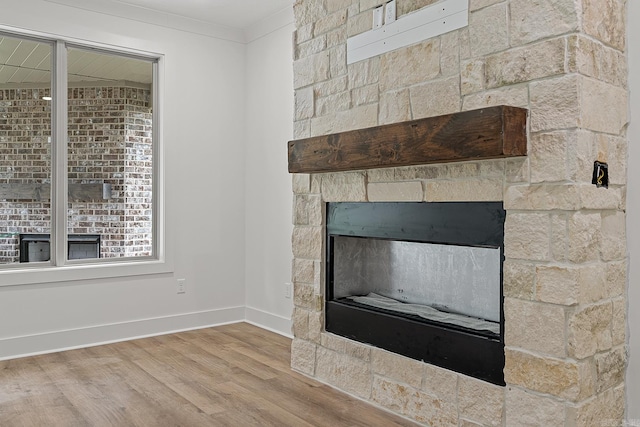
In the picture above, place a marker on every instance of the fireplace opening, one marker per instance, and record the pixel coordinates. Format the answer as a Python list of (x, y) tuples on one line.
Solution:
[(420, 279)]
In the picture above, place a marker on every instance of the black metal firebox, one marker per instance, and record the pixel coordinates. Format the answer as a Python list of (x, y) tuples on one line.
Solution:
[(445, 259)]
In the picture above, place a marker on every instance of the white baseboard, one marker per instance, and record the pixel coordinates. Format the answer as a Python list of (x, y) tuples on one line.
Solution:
[(31, 345), (271, 322)]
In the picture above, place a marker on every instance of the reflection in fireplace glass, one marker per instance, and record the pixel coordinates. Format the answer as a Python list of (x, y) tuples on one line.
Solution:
[(451, 284)]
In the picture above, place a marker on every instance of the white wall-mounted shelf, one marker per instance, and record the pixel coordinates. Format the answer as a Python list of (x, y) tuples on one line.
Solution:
[(428, 22)]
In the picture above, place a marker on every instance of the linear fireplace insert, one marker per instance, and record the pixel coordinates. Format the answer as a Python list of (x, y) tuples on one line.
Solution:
[(420, 279)]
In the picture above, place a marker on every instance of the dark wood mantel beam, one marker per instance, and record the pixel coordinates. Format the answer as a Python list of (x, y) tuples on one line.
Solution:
[(488, 133)]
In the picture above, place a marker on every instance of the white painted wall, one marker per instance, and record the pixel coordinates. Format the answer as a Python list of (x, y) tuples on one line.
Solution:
[(269, 112), (204, 118), (633, 215)]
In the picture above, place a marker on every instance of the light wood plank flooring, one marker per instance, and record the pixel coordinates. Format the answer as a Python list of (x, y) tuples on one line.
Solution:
[(233, 375)]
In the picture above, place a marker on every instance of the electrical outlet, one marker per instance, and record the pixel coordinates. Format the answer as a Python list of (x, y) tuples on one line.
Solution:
[(390, 12), (378, 17), (287, 290), (181, 286)]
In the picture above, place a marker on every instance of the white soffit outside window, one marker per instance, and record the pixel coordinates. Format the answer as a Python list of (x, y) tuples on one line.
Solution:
[(428, 22)]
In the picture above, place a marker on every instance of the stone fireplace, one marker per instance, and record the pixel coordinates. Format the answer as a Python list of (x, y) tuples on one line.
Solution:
[(564, 243)]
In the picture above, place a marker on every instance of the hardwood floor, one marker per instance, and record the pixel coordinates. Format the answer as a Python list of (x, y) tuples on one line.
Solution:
[(233, 375)]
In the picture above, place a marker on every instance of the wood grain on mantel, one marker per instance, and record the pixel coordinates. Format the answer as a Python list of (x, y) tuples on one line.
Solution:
[(488, 133)]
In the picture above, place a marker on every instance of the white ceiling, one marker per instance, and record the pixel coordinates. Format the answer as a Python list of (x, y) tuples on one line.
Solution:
[(238, 14), (28, 62)]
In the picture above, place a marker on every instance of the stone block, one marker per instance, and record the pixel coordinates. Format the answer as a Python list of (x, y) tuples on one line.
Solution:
[(604, 106), (542, 197), (334, 342), (364, 73), (311, 47), (303, 356), (492, 168), (330, 22), (560, 241), (441, 383), (560, 378), (518, 279), (610, 368), (617, 149), (605, 409), (365, 95), (450, 54), (594, 198), (347, 373), (549, 154), (479, 4), (338, 61), (358, 350), (471, 76), (380, 175), (593, 59), (307, 242), (309, 70), (302, 129), (557, 284), (355, 118), (409, 191), (524, 64), (584, 237), (435, 98), (516, 96), (527, 236), (303, 33), (394, 107), (300, 210), (613, 236), (592, 283), (330, 87), (304, 296), (410, 173), (408, 6), (306, 13), (304, 103), (431, 411), (391, 395), (589, 330), (517, 171), (336, 37), (336, 5), (531, 21), (582, 153), (483, 190), (359, 23), (488, 30), (408, 66), (619, 323), (344, 187), (333, 103), (316, 326), (301, 183), (606, 21), (526, 409), (555, 103), (302, 270), (300, 323), (616, 278), (397, 368), (480, 401), (535, 326)]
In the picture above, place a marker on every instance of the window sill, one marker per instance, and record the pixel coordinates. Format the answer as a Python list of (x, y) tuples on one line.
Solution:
[(41, 273)]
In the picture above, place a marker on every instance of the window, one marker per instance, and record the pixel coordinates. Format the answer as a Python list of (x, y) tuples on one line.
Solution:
[(79, 155)]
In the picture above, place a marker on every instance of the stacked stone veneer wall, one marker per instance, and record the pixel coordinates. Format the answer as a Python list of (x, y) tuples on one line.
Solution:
[(565, 248), (109, 142)]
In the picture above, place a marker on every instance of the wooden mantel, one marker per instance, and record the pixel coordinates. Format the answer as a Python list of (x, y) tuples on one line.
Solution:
[(488, 133)]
